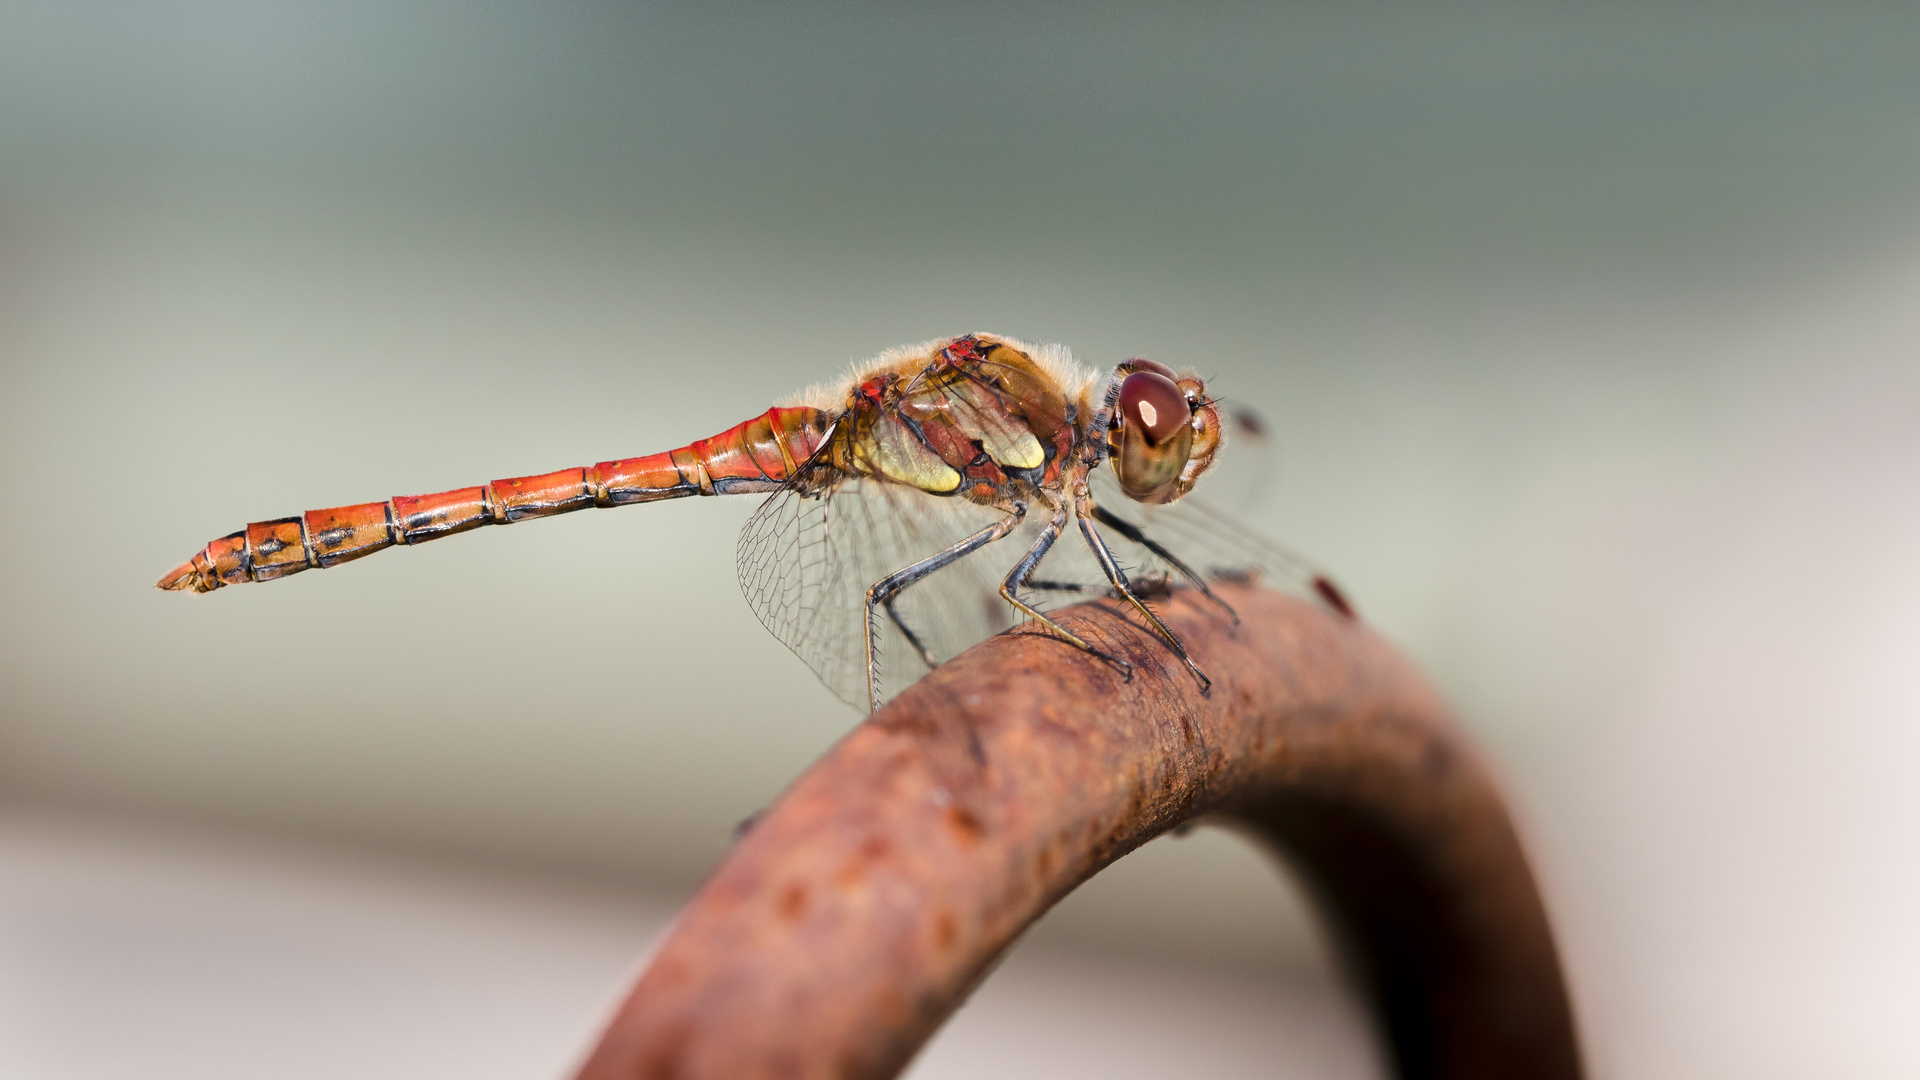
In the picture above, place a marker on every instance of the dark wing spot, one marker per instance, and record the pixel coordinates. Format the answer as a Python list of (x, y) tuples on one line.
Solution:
[(1335, 599)]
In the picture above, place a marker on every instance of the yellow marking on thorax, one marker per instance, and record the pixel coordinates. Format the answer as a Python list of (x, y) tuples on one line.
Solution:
[(900, 456)]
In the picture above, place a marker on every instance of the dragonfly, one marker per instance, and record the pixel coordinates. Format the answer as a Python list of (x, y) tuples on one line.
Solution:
[(889, 492)]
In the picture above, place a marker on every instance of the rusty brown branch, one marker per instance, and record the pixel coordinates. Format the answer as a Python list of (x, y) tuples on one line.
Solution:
[(865, 905)]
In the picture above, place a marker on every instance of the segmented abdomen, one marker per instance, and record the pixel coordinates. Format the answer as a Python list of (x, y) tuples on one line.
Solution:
[(757, 455)]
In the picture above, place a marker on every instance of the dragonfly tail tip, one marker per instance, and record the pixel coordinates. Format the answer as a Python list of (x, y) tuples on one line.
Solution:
[(186, 578)]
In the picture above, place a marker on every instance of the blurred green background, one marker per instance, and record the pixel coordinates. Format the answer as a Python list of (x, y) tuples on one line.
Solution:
[(1588, 335)]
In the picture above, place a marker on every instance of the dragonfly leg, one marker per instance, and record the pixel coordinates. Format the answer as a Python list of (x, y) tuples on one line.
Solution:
[(906, 631), (882, 594), (1132, 532), (1010, 590), (1069, 586), (1119, 579), (1154, 585)]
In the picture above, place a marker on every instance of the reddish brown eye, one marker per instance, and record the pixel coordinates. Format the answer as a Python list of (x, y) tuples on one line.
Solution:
[(1154, 403), (1141, 363)]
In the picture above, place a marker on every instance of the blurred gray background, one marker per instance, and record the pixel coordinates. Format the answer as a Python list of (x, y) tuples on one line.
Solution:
[(1590, 338)]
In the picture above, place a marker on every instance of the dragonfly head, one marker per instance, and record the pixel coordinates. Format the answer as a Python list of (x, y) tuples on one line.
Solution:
[(1163, 431)]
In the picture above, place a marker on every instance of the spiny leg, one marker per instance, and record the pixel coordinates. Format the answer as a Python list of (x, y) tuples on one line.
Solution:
[(883, 591), (906, 631), (1069, 586), (1010, 590), (1119, 579), (1132, 532), (1155, 585)]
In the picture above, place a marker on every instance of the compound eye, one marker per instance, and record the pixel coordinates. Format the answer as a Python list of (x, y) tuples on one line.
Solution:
[(1155, 405), (1141, 363)]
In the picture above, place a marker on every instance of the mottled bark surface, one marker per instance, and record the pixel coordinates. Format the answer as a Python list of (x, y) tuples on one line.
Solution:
[(869, 900)]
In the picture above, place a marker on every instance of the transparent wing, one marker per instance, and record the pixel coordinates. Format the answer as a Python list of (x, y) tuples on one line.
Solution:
[(807, 559), (1243, 472), (1211, 543)]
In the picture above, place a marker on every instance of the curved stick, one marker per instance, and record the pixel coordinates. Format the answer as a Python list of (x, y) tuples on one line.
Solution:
[(874, 895)]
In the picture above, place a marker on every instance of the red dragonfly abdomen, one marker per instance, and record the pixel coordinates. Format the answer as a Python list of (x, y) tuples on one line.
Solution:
[(757, 455)]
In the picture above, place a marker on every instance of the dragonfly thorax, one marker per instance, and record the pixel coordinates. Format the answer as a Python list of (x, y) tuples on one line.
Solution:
[(975, 418)]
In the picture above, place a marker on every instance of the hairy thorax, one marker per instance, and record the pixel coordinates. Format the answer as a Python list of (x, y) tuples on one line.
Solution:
[(978, 419)]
